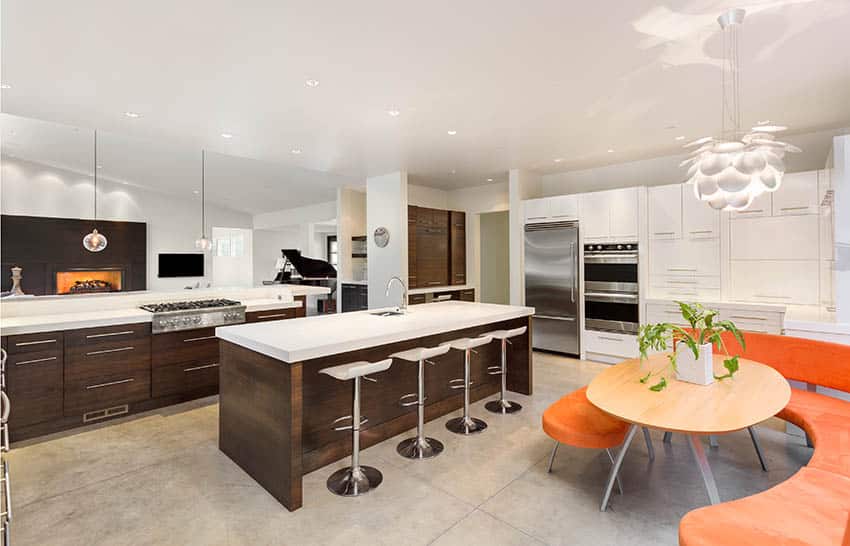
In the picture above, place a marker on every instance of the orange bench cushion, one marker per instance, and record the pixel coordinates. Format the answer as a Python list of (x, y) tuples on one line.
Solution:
[(574, 421), (809, 508)]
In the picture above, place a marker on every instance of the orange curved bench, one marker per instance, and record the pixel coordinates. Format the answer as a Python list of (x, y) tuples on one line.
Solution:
[(812, 506)]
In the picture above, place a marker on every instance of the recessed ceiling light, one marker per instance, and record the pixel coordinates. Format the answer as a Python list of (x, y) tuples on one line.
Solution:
[(489, 180), (132, 114), (196, 192), (452, 132), (453, 171), (226, 135), (312, 83), (680, 137), (610, 150), (296, 151), (5, 86), (763, 122), (558, 159), (394, 113), (100, 166)]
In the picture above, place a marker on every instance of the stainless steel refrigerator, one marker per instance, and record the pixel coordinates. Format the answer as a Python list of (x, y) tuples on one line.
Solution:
[(551, 285)]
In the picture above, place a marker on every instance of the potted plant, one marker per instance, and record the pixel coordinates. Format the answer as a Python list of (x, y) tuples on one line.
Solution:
[(691, 359)]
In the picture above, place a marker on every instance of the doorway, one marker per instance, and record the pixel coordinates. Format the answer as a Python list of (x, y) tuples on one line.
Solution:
[(232, 257), (494, 270)]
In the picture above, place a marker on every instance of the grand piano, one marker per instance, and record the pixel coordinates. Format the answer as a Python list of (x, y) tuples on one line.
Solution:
[(297, 269)]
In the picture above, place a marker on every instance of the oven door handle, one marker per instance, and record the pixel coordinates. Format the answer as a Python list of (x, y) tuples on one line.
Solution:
[(612, 298), (549, 317), (611, 258)]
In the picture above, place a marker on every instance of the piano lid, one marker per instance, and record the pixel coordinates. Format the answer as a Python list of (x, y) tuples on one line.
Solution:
[(308, 267)]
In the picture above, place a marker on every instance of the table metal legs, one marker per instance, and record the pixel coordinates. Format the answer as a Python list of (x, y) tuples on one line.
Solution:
[(618, 462), (707, 476), (649, 447), (754, 437), (552, 456)]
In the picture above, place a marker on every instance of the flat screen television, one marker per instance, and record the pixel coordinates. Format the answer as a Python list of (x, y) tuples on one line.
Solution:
[(189, 264)]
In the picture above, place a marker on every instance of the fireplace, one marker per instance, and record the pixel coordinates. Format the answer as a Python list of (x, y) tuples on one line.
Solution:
[(89, 280)]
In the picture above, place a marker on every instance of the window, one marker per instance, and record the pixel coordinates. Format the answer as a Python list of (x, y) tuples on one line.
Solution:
[(332, 251), (230, 244)]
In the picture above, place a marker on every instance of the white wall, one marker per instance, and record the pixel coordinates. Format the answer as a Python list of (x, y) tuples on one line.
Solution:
[(173, 223), (386, 206), (522, 185), (266, 250), (320, 212), (351, 222), (494, 285), (423, 196)]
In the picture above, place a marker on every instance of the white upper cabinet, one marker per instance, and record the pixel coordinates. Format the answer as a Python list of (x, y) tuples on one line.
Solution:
[(551, 209), (536, 210), (699, 221), (798, 194), (775, 238), (563, 207), (624, 214), (594, 213), (665, 211)]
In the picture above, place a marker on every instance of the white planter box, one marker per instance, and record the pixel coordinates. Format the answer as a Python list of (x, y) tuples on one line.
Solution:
[(692, 370)]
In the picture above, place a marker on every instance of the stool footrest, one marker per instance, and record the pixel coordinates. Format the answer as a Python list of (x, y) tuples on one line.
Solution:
[(363, 421), (453, 384), (494, 370), (413, 402)]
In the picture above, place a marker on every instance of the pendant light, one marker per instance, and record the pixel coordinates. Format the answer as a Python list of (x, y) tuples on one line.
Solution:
[(95, 241), (730, 171), (203, 243)]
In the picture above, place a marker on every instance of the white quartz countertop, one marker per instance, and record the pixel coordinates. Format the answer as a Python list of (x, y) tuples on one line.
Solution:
[(431, 289), (814, 319), (33, 324), (319, 336)]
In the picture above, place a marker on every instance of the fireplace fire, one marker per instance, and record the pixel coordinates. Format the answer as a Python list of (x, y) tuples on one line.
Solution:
[(89, 281)]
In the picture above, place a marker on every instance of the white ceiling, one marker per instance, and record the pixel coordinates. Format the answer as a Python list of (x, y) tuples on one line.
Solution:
[(238, 183), (521, 83)]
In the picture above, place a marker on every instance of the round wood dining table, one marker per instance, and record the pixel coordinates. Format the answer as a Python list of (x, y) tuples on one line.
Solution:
[(755, 393)]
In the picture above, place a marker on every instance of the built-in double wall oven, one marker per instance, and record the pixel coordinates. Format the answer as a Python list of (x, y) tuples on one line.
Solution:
[(611, 296)]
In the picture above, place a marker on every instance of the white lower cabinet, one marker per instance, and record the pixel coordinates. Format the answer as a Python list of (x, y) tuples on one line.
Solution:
[(784, 282), (748, 318), (609, 347)]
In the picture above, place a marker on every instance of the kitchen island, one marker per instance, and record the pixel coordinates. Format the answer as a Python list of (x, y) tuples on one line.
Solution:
[(277, 413)]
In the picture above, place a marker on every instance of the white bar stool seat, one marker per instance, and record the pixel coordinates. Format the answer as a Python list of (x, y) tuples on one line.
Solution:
[(502, 405), (466, 425), (419, 447), (356, 479)]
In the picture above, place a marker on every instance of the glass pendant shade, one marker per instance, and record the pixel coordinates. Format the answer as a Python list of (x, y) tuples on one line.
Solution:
[(95, 241), (203, 243), (730, 171)]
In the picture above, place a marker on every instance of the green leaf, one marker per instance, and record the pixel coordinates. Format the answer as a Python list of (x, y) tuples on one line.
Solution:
[(645, 378), (731, 365), (658, 387)]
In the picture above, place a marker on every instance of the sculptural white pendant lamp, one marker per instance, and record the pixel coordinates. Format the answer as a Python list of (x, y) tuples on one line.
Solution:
[(730, 171), (203, 243), (95, 241)]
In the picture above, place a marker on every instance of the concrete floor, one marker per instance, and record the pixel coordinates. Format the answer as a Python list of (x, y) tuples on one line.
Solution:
[(160, 479)]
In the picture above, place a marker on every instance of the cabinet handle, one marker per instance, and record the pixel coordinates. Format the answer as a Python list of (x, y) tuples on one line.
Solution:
[(191, 339), (25, 343), (434, 283), (609, 338), (794, 208), (535, 217), (664, 233), (772, 297), (460, 274), (104, 351), (266, 316), (195, 368), (111, 383), (673, 281), (747, 318), (93, 336), (681, 269), (702, 231), (751, 211), (35, 361)]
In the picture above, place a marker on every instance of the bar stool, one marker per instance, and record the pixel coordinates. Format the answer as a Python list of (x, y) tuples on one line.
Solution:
[(419, 447), (501, 405), (356, 479), (466, 424)]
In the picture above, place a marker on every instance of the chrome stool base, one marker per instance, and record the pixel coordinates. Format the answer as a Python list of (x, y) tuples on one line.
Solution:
[(345, 482), (414, 448), (466, 425), (502, 406)]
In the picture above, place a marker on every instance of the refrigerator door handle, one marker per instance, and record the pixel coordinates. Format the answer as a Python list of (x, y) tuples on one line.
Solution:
[(575, 272), (568, 319)]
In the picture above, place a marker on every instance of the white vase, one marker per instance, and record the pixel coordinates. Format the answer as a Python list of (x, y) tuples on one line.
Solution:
[(695, 370)]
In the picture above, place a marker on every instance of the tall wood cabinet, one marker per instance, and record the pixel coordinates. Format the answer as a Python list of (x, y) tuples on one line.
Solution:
[(436, 247)]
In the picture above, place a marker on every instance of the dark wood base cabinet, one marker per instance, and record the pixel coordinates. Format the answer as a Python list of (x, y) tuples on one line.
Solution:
[(276, 419), (62, 380)]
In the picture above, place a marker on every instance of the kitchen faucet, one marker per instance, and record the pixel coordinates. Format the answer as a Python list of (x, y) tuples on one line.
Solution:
[(403, 307)]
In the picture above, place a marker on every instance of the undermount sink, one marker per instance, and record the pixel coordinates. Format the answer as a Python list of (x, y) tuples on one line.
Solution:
[(387, 313)]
